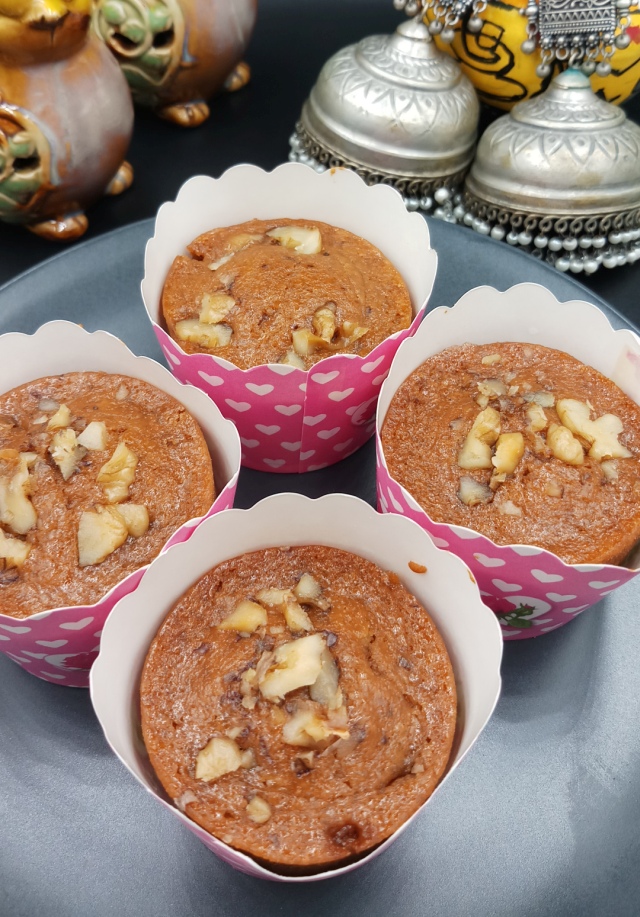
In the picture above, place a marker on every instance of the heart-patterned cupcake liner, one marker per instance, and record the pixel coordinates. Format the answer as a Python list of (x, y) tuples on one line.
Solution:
[(289, 419), (60, 644)]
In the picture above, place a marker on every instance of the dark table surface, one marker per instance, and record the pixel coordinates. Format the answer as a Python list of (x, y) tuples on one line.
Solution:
[(291, 42)]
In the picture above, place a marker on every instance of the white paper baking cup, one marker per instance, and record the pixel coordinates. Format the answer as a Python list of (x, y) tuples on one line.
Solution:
[(531, 590), (60, 644), (290, 419), (447, 591)]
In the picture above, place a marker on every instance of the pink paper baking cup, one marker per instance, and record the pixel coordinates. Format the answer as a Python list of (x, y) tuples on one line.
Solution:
[(531, 590), (447, 591), (292, 420), (60, 644)]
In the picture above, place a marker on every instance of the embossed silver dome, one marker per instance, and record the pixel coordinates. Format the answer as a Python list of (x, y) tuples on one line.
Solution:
[(395, 109), (560, 174)]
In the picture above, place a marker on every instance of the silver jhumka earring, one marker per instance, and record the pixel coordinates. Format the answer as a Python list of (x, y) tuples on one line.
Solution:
[(582, 32), (559, 176), (445, 15), (397, 111)]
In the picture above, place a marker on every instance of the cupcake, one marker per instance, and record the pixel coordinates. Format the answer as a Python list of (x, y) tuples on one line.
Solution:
[(523, 438), (358, 269), (299, 701), (104, 461)]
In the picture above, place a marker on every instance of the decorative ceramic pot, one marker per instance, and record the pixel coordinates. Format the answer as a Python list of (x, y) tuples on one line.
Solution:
[(65, 117), (177, 53), (503, 75)]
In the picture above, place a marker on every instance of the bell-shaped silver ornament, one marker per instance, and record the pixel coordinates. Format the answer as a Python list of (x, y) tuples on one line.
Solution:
[(396, 110), (560, 177)]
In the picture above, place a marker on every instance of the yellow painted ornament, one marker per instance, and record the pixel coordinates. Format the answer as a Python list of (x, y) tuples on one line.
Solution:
[(503, 75)]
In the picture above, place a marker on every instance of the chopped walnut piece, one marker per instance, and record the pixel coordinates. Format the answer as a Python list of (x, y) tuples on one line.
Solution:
[(476, 449), (205, 335), (325, 688), (100, 533), (324, 322), (609, 471), (117, 475), (66, 452), (508, 508), (564, 445), (246, 618), (308, 729), (537, 418), (221, 756), (509, 451), (299, 238), (491, 359), (259, 810), (13, 551), (473, 492), (215, 307), (62, 418), (553, 489), (601, 434), (94, 437), (16, 509), (294, 665)]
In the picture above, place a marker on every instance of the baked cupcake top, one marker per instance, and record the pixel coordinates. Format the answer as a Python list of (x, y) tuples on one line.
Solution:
[(283, 291), (522, 443), (299, 704), (96, 472)]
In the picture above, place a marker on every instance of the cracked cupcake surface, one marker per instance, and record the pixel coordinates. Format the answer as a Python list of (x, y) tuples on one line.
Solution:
[(299, 704), (283, 291)]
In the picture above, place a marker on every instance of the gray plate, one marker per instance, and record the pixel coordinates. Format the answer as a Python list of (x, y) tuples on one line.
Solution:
[(541, 819)]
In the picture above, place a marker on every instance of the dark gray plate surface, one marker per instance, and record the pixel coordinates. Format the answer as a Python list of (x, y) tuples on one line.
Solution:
[(541, 819)]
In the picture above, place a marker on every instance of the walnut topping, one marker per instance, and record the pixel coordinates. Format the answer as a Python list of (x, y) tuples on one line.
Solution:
[(324, 322), (492, 388), (508, 508), (221, 756), (66, 452), (473, 492), (325, 688), (601, 434), (123, 393), (491, 359), (100, 533), (13, 551), (299, 238), (553, 489), (48, 405), (94, 437), (291, 358), (476, 450), (509, 451), (308, 729), (205, 335), (295, 665), (258, 810), (117, 475), (610, 471), (564, 445), (16, 509), (62, 418), (215, 307), (246, 618), (544, 399), (537, 418)]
